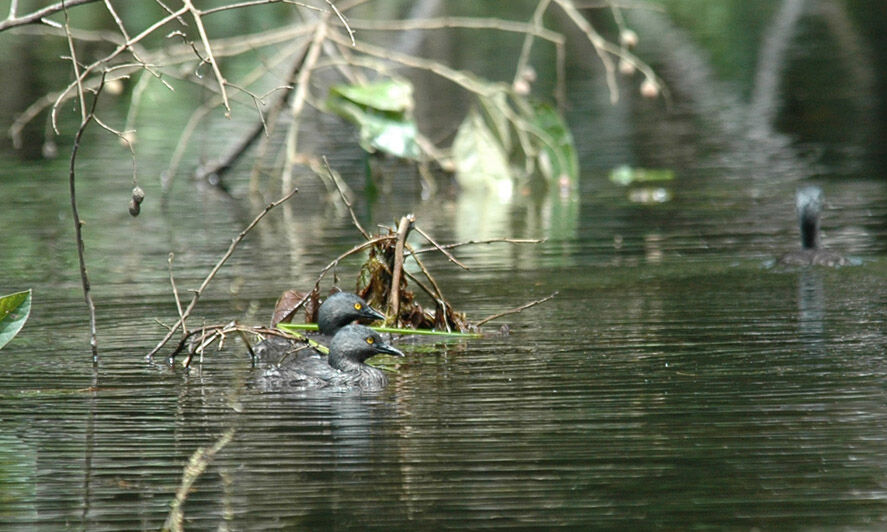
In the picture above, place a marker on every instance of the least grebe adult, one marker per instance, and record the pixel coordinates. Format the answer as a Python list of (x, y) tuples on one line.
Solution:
[(808, 202), (336, 311), (345, 366)]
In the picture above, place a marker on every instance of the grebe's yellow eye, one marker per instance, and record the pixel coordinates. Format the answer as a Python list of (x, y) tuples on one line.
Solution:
[(358, 306), (370, 340)]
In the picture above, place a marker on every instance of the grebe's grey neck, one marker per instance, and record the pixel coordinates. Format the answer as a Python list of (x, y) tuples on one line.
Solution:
[(809, 204)]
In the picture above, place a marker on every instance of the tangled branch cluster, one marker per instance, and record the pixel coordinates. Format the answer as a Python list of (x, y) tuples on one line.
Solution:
[(179, 46), (322, 36)]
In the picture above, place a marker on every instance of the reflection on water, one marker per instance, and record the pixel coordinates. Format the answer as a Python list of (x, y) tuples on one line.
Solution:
[(810, 305), (674, 381)]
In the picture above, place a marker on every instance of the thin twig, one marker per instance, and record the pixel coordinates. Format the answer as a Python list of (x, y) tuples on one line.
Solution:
[(175, 293), (78, 229), (478, 23), (524, 58), (347, 203), (38, 16), (88, 117), (225, 329), (204, 38), (117, 51), (438, 294), (474, 242), (299, 98), (343, 20), (514, 310), (195, 467), (252, 3), (76, 66), (598, 42), (216, 268), (356, 249), (440, 248), (421, 285)]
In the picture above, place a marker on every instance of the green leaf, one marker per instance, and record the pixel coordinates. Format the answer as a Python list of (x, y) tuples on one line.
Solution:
[(481, 160), (497, 115), (557, 158), (14, 312), (382, 111), (626, 175), (390, 95)]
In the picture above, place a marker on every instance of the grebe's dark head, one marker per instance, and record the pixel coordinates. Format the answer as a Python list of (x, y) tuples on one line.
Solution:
[(343, 308), (355, 344), (808, 202)]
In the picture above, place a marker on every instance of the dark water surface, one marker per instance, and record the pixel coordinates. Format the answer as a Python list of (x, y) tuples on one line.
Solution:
[(675, 382)]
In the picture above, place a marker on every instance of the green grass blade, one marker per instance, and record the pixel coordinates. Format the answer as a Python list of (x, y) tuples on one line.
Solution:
[(294, 327)]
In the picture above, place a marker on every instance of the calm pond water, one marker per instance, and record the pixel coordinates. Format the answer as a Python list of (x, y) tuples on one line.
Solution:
[(675, 382)]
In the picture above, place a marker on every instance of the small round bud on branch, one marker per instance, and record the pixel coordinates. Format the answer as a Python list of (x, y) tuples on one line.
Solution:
[(626, 68), (649, 88), (138, 195), (628, 38)]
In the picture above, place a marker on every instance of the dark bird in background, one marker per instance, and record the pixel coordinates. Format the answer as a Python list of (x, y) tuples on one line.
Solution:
[(808, 203)]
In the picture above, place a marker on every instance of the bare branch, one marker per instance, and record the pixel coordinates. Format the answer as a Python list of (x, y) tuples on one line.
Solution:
[(78, 230), (76, 68), (216, 268), (343, 20), (474, 242), (251, 3), (356, 249), (598, 42), (460, 22), (514, 310), (38, 16), (204, 38), (175, 293), (403, 229), (197, 464), (301, 94), (449, 255), (347, 203)]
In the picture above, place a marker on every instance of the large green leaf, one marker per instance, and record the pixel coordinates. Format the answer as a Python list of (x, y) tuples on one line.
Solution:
[(14, 311), (557, 157), (480, 159), (391, 95), (382, 111)]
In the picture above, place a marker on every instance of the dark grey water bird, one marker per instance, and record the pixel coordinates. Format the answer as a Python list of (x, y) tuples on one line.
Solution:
[(808, 202), (337, 311), (344, 367)]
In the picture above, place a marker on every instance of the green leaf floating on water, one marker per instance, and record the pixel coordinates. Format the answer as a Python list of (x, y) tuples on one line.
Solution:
[(480, 158), (14, 311), (382, 110), (626, 175)]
